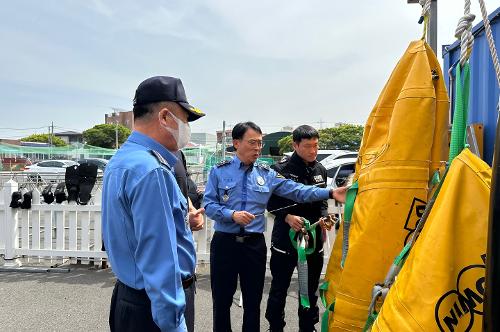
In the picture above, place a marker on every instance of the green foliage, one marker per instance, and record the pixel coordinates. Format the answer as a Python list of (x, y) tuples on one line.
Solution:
[(343, 137), (103, 135), (44, 138), (285, 144)]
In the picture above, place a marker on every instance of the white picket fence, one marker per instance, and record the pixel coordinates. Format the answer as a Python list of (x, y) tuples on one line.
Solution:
[(70, 231)]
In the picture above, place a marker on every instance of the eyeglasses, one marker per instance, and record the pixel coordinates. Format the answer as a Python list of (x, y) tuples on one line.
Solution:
[(255, 142)]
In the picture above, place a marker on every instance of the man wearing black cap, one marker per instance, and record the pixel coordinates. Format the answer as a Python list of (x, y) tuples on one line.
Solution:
[(145, 216)]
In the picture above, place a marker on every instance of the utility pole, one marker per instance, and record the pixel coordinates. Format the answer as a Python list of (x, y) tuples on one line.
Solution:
[(50, 139), (116, 134), (223, 140), (432, 28), (432, 31)]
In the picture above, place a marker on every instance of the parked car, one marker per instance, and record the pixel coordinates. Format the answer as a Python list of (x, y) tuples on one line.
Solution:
[(49, 170), (332, 154), (99, 162), (338, 170)]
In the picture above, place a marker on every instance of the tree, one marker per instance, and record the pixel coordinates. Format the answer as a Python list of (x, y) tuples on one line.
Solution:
[(104, 135), (44, 138), (285, 144), (343, 137)]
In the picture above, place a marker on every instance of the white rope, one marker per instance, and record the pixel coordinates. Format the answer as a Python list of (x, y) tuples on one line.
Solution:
[(426, 7), (464, 33), (425, 16), (491, 42)]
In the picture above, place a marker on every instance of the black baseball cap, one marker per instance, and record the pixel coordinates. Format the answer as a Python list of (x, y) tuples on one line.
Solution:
[(164, 88)]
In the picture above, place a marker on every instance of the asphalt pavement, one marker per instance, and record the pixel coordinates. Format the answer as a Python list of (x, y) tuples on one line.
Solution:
[(79, 301)]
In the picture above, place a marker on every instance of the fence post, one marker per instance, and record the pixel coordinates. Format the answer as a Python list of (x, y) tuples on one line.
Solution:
[(10, 224)]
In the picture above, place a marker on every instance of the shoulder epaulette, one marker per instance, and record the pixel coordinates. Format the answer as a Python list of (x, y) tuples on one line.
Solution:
[(264, 166), (223, 163), (284, 159), (160, 158)]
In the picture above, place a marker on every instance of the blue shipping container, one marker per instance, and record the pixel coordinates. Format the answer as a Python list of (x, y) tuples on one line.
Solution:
[(484, 91)]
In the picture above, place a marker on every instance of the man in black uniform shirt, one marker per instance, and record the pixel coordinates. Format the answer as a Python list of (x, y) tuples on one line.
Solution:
[(182, 177), (301, 167)]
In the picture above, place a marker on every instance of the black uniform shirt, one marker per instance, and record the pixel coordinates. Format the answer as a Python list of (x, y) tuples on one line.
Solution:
[(296, 169)]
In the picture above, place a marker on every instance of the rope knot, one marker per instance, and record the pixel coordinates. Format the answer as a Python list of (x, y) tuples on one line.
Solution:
[(426, 9), (464, 33)]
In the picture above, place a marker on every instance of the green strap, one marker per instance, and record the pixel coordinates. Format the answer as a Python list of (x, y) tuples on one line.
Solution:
[(326, 316), (349, 201), (369, 322), (460, 115), (402, 255), (293, 236), (348, 210), (323, 288), (303, 273), (436, 178), (298, 243)]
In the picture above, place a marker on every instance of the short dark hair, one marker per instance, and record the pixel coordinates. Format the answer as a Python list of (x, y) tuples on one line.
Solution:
[(304, 132), (140, 111), (241, 128)]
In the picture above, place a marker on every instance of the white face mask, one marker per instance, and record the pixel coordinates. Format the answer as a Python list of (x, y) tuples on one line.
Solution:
[(182, 135)]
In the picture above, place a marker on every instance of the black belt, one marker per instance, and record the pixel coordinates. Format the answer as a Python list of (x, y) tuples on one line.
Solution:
[(242, 237), (141, 293), (186, 283)]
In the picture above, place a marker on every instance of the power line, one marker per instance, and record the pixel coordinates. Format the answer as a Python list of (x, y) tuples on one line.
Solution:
[(6, 128)]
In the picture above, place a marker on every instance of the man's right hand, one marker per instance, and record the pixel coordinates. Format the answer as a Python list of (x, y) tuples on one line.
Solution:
[(243, 218), (295, 222)]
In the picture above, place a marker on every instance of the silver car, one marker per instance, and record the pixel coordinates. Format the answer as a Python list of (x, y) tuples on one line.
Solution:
[(48, 170)]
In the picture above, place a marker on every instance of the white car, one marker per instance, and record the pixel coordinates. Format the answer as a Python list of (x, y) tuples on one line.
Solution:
[(332, 154), (48, 170), (338, 170)]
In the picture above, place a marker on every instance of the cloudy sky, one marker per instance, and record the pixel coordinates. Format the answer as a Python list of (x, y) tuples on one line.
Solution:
[(278, 63)]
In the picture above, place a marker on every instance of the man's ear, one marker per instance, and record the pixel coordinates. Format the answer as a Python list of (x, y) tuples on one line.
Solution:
[(236, 143), (164, 115)]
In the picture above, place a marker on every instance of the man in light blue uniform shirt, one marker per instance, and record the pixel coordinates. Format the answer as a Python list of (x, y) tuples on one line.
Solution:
[(145, 215), (236, 196)]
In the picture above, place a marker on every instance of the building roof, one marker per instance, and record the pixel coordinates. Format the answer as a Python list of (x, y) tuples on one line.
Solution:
[(68, 133)]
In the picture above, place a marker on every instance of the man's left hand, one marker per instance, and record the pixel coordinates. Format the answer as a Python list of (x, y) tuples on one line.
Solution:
[(196, 219)]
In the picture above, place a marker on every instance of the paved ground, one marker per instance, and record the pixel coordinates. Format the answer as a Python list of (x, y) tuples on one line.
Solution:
[(79, 301)]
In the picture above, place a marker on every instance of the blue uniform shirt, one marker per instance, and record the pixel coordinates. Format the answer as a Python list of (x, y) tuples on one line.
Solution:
[(233, 186), (148, 241)]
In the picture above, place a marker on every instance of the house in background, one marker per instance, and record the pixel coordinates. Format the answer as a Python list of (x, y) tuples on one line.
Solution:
[(120, 116), (70, 137)]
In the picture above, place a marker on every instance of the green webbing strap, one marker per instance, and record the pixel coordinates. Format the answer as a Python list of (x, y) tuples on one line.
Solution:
[(303, 272), (348, 210), (323, 288), (402, 255), (436, 178), (459, 127), (299, 243), (369, 322), (326, 316), (293, 236)]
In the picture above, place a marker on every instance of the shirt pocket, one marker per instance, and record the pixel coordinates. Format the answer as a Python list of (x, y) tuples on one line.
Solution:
[(259, 194), (226, 191)]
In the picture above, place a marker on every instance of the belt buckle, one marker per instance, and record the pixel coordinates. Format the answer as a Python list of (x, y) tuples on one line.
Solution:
[(240, 238)]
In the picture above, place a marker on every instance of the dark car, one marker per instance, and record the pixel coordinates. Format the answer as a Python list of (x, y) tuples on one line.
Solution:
[(99, 162)]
